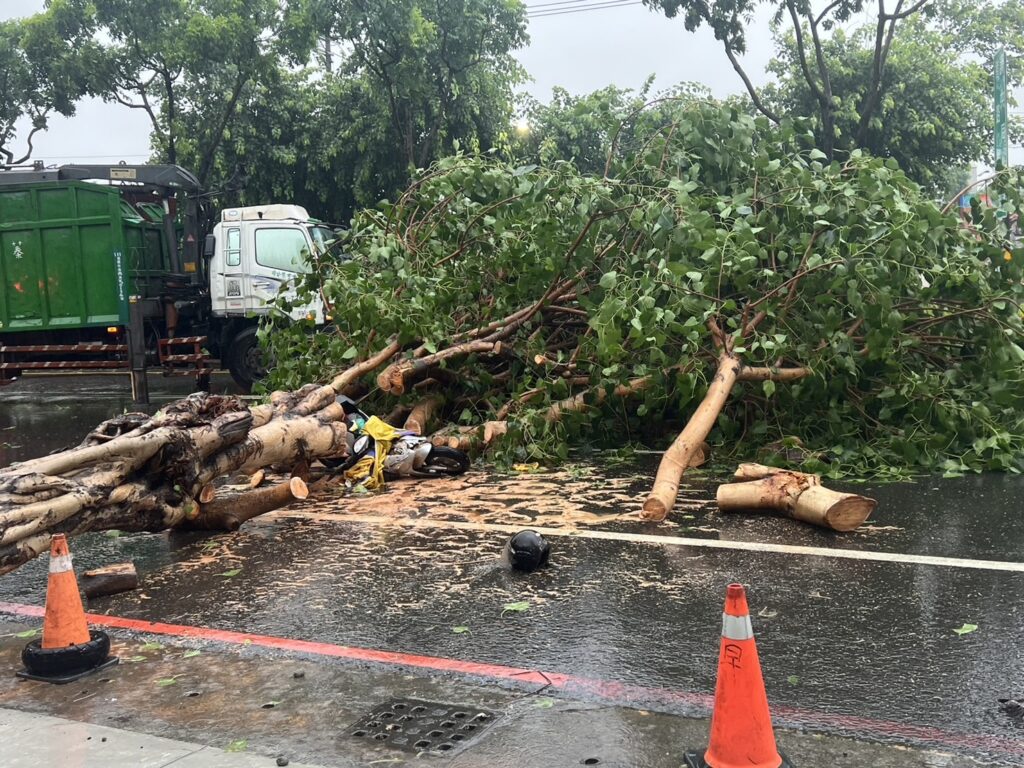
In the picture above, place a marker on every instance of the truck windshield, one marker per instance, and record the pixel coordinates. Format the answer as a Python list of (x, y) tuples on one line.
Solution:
[(322, 237), (281, 248)]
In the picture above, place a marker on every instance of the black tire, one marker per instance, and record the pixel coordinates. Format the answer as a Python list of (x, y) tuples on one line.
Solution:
[(245, 359), (443, 461), (57, 662)]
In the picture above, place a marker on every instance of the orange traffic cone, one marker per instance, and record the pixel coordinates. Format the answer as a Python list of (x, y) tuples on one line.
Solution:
[(68, 649), (64, 622), (741, 726)]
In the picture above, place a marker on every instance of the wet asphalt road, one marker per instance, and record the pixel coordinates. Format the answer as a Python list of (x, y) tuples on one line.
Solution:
[(853, 647)]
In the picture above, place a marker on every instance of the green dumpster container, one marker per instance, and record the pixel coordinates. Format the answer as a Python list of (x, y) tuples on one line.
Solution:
[(71, 253)]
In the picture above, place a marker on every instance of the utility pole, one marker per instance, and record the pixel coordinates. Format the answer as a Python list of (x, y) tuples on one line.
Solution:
[(1002, 138)]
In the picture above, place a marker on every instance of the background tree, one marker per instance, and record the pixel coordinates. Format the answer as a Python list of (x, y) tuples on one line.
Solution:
[(189, 64), (847, 119), (935, 115), (46, 62), (579, 129), (410, 82), (584, 130)]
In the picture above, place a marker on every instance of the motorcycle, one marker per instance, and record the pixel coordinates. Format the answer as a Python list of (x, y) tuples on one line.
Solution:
[(405, 453)]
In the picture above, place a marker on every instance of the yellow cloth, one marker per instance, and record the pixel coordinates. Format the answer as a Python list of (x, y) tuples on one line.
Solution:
[(372, 468)]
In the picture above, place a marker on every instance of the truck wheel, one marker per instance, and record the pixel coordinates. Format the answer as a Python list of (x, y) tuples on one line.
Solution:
[(245, 359)]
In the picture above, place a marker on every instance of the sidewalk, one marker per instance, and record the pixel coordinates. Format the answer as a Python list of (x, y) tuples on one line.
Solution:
[(34, 741)]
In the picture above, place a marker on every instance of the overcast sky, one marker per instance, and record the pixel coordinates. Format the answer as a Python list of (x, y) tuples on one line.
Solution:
[(580, 51)]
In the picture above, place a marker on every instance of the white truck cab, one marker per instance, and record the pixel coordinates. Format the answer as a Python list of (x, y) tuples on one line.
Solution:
[(256, 253), (259, 251)]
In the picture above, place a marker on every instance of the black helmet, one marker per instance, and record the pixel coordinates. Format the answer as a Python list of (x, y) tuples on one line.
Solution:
[(527, 551)]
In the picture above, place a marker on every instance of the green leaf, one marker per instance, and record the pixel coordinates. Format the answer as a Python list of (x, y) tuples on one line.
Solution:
[(792, 679), (966, 629), (608, 280), (350, 353), (230, 574), (136, 659), (163, 682), (461, 630), (520, 607), (545, 703), (817, 154), (190, 654), (28, 633), (239, 745), (151, 647), (768, 387)]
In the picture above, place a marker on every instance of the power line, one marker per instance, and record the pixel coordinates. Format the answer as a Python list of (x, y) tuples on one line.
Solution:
[(530, 6), (596, 7)]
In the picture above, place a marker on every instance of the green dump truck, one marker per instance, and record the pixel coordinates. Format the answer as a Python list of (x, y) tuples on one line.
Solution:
[(102, 269)]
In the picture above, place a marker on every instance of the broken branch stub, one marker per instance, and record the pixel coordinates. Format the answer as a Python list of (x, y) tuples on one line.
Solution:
[(796, 494)]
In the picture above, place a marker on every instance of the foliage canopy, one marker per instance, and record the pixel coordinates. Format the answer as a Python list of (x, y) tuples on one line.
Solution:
[(714, 220)]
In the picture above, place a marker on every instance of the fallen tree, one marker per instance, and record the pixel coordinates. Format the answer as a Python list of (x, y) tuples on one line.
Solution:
[(721, 278), (721, 282)]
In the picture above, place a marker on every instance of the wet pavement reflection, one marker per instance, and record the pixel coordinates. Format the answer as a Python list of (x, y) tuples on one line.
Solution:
[(854, 647)]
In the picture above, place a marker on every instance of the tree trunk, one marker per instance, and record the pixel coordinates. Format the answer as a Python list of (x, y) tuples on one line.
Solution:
[(798, 495)]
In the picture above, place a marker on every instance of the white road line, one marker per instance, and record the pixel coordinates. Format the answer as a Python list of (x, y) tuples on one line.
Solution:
[(675, 541)]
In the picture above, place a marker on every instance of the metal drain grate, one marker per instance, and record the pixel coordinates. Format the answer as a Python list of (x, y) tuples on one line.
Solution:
[(422, 726)]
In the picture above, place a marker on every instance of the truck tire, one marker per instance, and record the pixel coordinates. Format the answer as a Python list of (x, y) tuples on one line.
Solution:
[(245, 359)]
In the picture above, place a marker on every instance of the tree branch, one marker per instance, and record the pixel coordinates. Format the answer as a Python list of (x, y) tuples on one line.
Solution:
[(802, 52), (909, 12), (749, 85)]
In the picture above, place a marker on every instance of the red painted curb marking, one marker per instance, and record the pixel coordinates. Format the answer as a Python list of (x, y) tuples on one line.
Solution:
[(604, 689)]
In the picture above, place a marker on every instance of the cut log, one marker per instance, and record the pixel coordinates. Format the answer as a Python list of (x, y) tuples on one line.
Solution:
[(229, 513), (423, 414), (110, 580), (798, 495), (398, 414), (493, 430)]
